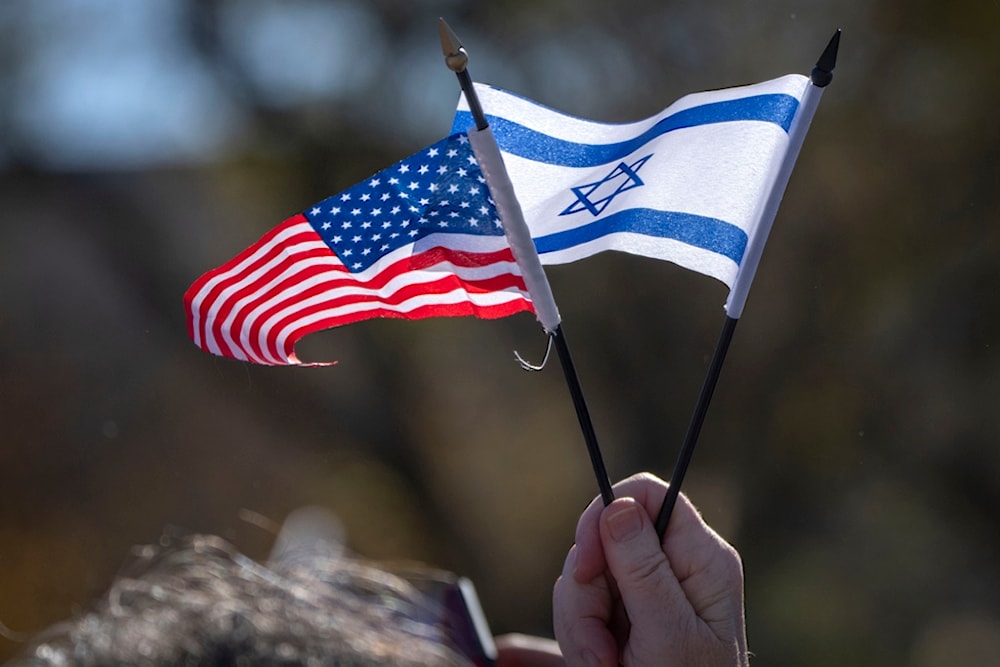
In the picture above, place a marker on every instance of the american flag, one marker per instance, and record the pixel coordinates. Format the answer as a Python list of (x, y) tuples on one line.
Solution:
[(421, 238)]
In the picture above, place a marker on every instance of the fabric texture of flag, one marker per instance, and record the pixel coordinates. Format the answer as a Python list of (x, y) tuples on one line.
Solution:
[(419, 239), (690, 185)]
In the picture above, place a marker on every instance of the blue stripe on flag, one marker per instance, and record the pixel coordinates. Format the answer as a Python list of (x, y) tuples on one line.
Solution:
[(524, 142), (710, 234)]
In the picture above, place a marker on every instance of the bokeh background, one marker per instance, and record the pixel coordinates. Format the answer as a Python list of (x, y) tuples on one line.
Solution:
[(851, 453)]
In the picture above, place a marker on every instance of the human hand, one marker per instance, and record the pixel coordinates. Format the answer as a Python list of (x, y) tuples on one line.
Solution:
[(625, 598)]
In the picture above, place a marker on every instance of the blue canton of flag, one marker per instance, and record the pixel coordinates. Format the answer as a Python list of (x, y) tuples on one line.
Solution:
[(440, 189)]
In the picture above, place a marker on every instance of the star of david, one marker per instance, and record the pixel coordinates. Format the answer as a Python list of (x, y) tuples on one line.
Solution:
[(622, 178)]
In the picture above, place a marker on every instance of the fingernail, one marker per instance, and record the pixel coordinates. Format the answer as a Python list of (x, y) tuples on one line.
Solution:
[(624, 522), (589, 658)]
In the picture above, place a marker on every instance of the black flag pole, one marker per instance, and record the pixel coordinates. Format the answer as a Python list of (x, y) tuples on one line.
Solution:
[(819, 78), (457, 60), (694, 427)]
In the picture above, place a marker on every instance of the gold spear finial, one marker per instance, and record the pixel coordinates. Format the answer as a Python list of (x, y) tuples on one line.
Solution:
[(455, 55)]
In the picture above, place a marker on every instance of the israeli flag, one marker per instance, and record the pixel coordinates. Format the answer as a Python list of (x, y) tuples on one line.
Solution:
[(697, 184)]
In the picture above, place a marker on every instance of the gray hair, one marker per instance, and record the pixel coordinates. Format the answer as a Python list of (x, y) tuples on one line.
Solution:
[(197, 601)]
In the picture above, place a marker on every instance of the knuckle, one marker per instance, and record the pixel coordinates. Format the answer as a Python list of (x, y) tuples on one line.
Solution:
[(646, 569)]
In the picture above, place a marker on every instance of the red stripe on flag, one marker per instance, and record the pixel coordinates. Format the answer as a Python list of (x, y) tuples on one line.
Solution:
[(290, 284)]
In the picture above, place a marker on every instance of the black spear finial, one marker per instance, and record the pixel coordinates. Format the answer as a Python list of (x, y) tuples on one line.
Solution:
[(822, 73)]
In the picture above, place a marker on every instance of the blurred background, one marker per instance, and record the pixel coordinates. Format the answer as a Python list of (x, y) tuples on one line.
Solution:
[(850, 453)]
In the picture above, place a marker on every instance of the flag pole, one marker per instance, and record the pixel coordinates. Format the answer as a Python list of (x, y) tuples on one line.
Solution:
[(694, 427), (525, 253), (819, 78)]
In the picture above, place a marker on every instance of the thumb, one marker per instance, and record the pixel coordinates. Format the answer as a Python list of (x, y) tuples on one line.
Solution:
[(652, 596)]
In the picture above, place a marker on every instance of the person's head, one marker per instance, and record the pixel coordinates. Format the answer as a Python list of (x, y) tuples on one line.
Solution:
[(198, 601)]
